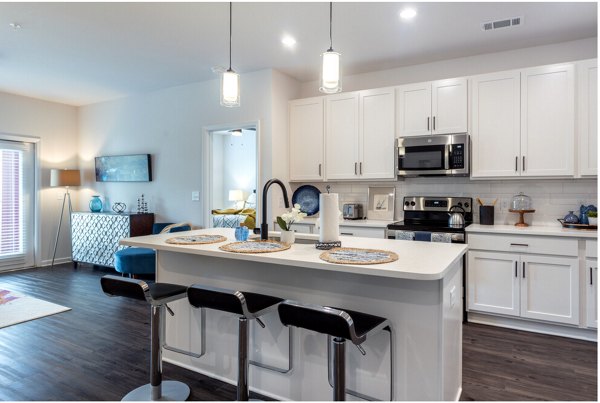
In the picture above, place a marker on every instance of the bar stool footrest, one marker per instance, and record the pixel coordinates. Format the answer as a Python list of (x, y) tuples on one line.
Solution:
[(171, 391)]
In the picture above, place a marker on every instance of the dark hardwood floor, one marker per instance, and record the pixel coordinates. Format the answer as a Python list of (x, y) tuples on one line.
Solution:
[(100, 350)]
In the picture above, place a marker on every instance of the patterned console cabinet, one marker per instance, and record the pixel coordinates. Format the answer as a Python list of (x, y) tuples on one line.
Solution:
[(95, 236)]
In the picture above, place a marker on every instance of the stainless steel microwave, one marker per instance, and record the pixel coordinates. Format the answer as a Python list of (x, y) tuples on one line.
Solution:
[(434, 155)]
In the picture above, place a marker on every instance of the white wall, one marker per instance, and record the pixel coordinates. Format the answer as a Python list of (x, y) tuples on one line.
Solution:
[(465, 66), (168, 124), (56, 126)]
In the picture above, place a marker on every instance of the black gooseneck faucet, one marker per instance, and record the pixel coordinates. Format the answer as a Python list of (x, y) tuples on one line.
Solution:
[(264, 227)]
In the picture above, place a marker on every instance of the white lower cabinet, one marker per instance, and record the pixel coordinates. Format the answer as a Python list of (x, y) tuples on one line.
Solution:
[(591, 268), (524, 285), (365, 232)]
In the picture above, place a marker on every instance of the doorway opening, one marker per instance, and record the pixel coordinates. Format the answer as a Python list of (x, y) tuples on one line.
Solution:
[(231, 175)]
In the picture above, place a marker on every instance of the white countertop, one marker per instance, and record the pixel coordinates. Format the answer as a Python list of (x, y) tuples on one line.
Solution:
[(417, 260), (550, 230), (351, 223)]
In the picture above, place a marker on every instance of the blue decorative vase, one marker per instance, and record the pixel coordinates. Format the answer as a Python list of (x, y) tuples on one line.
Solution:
[(583, 213), (571, 218), (95, 204)]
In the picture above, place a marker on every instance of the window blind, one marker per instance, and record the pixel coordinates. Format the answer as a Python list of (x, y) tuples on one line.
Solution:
[(16, 204)]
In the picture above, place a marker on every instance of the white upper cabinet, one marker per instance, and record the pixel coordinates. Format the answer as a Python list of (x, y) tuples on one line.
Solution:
[(449, 106), (496, 124), (548, 121), (377, 134), (438, 107), (414, 109), (587, 117), (341, 140), (306, 129)]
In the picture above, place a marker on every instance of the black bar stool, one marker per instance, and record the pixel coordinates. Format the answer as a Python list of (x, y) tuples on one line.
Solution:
[(248, 305), (158, 295), (339, 325)]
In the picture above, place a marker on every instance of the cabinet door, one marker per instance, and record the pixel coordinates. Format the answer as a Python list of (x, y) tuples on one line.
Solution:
[(377, 137), (591, 268), (493, 282), (449, 106), (547, 121), (306, 119), (414, 109), (496, 130), (549, 288), (587, 106), (341, 140)]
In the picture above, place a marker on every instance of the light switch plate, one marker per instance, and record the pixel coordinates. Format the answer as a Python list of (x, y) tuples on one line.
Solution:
[(195, 195)]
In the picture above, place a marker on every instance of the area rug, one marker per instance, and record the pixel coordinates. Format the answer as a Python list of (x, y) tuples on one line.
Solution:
[(18, 308)]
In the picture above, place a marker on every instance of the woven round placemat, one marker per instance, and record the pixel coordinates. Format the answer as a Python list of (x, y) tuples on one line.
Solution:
[(358, 256), (255, 247), (196, 239)]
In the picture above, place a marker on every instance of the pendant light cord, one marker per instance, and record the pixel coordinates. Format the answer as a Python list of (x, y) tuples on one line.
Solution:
[(330, 24), (230, 30)]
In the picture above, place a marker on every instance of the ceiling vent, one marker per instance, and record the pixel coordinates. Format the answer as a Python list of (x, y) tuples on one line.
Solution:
[(509, 22)]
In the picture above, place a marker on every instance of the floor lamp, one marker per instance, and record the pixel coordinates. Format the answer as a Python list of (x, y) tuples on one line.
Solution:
[(63, 178)]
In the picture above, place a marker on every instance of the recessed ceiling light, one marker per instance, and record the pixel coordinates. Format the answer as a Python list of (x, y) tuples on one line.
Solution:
[(288, 41), (408, 13)]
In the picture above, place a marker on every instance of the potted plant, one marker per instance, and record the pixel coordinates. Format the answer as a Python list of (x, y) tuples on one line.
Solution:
[(285, 222), (592, 217)]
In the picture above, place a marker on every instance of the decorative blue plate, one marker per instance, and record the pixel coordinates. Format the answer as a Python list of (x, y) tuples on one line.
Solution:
[(307, 196)]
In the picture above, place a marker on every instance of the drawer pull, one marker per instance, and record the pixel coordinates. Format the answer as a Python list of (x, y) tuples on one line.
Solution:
[(523, 269), (591, 276), (519, 244), (347, 233)]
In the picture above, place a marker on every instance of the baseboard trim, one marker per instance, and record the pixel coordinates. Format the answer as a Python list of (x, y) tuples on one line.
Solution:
[(536, 327), (59, 260)]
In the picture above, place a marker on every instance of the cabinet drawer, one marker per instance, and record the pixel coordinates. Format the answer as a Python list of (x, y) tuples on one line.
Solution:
[(544, 245), (366, 232), (591, 249)]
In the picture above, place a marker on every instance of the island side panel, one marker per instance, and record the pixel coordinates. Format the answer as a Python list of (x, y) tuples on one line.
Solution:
[(452, 311), (414, 307)]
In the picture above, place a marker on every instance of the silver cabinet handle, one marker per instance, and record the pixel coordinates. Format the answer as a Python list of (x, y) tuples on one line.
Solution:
[(517, 163), (523, 163), (519, 244), (319, 169), (347, 233), (360, 167), (523, 269), (434, 123), (591, 276), (516, 268), (355, 168), (427, 123)]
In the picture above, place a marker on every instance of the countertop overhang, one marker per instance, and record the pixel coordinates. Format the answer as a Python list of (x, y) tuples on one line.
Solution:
[(550, 230), (416, 260)]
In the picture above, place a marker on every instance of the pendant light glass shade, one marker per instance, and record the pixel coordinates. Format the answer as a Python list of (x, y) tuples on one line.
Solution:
[(230, 88), (331, 77)]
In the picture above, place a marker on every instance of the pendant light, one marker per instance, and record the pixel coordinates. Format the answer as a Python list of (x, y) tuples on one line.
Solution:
[(230, 80), (331, 78)]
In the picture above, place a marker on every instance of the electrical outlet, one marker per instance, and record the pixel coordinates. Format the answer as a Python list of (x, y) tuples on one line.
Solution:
[(195, 195)]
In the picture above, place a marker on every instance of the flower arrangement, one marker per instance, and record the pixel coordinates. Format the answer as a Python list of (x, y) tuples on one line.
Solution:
[(286, 220)]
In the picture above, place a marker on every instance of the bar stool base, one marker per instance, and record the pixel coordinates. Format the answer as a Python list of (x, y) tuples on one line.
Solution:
[(171, 391)]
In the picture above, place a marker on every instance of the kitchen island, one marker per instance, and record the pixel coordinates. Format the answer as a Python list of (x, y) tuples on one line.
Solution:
[(420, 294)]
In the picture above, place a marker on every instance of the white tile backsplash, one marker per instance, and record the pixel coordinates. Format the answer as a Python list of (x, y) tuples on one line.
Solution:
[(551, 198)]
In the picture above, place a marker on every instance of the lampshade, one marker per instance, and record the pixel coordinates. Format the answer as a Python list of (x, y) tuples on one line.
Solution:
[(236, 195), (65, 177), (331, 80)]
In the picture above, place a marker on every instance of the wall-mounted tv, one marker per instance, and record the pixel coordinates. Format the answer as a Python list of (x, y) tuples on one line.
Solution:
[(124, 168)]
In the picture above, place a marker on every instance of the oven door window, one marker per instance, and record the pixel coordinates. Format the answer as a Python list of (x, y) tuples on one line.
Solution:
[(423, 158)]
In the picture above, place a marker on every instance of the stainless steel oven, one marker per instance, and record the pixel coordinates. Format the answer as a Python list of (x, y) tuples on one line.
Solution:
[(436, 155)]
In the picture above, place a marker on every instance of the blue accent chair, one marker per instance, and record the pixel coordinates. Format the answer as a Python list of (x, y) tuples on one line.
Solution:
[(132, 261)]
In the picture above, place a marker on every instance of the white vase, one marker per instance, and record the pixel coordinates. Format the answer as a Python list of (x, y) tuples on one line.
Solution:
[(593, 220), (288, 237)]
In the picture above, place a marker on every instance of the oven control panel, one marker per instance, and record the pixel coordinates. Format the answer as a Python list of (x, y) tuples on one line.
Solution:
[(457, 156), (425, 203)]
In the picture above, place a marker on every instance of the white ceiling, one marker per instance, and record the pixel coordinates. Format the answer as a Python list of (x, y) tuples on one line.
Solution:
[(81, 53)]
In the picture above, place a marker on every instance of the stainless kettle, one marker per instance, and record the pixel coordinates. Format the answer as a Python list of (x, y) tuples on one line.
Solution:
[(456, 219)]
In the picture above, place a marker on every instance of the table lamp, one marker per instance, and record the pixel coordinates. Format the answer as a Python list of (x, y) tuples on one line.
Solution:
[(236, 196), (63, 178)]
